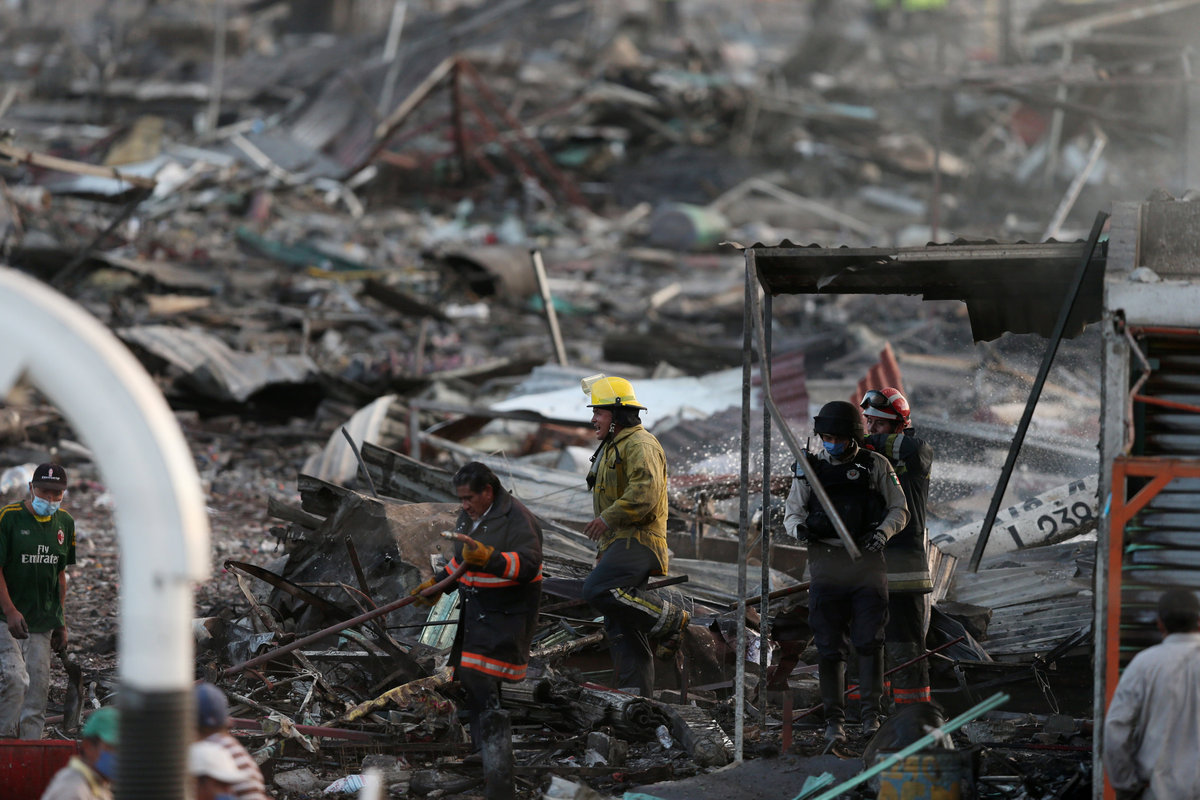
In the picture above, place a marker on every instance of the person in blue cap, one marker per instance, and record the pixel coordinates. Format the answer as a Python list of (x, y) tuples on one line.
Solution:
[(212, 725)]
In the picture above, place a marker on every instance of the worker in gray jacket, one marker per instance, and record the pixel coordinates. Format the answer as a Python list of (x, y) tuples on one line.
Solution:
[(1152, 727)]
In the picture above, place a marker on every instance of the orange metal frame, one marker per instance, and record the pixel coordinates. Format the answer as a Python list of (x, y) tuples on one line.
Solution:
[(1161, 471)]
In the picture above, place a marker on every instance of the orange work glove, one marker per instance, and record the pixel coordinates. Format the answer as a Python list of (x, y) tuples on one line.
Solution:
[(422, 600), (476, 554)]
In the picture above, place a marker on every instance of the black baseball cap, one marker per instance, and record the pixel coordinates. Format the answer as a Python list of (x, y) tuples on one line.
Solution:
[(49, 476)]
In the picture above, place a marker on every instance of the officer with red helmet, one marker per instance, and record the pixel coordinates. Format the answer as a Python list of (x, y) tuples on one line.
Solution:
[(890, 432), (847, 598)]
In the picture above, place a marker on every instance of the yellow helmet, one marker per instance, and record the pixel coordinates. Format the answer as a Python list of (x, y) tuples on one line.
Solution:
[(606, 391)]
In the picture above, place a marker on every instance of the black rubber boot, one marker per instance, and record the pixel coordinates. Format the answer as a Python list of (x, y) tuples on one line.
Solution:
[(870, 690), (831, 674), (497, 754)]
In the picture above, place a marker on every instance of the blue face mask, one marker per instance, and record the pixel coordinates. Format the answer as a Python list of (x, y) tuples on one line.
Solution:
[(106, 764), (225, 797), (834, 449), (44, 508)]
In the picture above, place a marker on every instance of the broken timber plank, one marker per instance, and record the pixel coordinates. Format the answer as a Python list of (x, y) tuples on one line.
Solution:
[(24, 156), (281, 510), (401, 301)]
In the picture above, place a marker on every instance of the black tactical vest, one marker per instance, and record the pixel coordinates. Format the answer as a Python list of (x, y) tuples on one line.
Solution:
[(849, 488)]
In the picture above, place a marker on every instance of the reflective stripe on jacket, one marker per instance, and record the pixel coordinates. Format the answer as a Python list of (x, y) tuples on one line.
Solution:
[(499, 602)]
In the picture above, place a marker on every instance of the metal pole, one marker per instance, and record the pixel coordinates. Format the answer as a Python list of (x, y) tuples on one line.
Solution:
[(1068, 200), (362, 465), (391, 48), (764, 536), (739, 683), (539, 271), (213, 114), (1035, 391), (414, 432), (160, 514), (1054, 139), (456, 104), (935, 189), (797, 449)]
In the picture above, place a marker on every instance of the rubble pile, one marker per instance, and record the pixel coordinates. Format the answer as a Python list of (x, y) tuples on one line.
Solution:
[(335, 232)]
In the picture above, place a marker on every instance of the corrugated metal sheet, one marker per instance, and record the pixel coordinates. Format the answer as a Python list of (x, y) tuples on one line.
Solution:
[(789, 387), (1162, 543), (1038, 597), (336, 461), (286, 151), (554, 494), (213, 368), (1007, 287)]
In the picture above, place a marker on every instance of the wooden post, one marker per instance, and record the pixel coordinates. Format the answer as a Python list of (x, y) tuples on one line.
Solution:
[(539, 270)]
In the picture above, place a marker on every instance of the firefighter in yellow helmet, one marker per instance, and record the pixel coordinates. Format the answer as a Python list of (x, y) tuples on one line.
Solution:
[(628, 480)]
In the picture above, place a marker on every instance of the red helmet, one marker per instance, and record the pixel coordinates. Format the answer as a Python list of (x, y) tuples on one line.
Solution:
[(886, 403)]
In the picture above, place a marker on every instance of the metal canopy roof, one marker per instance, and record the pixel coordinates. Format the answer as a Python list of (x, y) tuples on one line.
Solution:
[(1007, 287)]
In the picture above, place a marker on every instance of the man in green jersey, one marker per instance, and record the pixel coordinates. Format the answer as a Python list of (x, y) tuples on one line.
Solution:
[(37, 542)]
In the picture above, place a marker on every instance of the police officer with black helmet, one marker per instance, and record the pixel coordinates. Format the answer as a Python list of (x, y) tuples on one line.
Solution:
[(848, 597)]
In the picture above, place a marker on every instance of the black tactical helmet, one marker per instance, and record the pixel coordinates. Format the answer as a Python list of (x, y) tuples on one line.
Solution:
[(840, 418)]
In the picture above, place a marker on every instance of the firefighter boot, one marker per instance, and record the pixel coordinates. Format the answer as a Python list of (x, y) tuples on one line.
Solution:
[(669, 630), (870, 690), (831, 673), (497, 752)]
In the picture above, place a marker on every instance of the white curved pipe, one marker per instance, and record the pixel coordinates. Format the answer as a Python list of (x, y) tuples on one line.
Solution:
[(110, 400)]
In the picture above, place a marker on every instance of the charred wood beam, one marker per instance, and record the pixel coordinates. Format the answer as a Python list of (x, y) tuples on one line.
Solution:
[(401, 301), (66, 276), (320, 497), (689, 355), (775, 595), (284, 585), (288, 513)]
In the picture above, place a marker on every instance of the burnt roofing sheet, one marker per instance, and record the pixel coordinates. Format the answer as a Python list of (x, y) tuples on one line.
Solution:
[(1017, 287)]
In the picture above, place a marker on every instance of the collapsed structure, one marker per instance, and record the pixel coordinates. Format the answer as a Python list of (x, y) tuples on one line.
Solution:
[(252, 279)]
